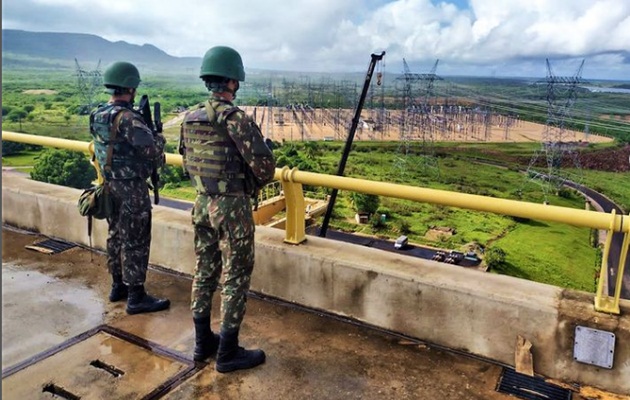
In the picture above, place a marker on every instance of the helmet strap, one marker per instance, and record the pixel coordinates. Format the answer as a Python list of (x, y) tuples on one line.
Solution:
[(230, 90)]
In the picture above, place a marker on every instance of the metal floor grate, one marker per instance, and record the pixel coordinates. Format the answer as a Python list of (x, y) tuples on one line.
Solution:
[(530, 388), (51, 246)]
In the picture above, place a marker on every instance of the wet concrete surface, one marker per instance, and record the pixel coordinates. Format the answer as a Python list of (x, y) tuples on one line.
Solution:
[(102, 366), (48, 299)]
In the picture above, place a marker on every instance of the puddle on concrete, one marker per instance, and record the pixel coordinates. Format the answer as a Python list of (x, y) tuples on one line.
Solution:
[(113, 346), (40, 311)]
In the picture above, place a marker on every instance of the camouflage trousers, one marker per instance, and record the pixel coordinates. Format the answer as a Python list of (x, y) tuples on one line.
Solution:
[(224, 243), (129, 234)]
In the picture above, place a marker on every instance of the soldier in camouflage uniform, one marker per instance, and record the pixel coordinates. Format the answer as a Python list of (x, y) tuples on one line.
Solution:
[(228, 162), (126, 152)]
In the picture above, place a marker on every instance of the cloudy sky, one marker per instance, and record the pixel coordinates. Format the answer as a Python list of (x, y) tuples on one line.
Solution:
[(472, 37)]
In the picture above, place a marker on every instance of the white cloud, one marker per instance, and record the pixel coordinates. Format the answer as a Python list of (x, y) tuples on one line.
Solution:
[(320, 35)]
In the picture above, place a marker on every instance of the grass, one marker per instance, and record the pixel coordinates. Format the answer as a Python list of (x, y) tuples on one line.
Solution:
[(551, 253), (24, 161), (556, 254), (184, 192), (614, 185)]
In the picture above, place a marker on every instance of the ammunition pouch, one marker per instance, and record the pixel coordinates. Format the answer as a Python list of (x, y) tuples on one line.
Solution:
[(96, 202)]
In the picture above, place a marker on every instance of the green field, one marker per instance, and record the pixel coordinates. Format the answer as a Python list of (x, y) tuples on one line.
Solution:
[(49, 104)]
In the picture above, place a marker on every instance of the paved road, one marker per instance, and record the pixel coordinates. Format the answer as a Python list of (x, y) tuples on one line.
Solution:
[(615, 245), (387, 245), (178, 204)]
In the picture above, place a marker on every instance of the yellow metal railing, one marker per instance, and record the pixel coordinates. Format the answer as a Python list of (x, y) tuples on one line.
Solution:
[(293, 179)]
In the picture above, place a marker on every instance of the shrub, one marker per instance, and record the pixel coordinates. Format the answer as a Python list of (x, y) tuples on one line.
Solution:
[(172, 175), (404, 227), (10, 148), (64, 167), (367, 203), (375, 222), (16, 114), (495, 257)]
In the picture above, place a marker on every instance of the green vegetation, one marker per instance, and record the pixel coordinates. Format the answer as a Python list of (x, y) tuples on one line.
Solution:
[(20, 157), (64, 167), (49, 104), (550, 253)]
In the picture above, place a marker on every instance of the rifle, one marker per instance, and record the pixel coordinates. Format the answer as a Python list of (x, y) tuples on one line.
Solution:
[(145, 110)]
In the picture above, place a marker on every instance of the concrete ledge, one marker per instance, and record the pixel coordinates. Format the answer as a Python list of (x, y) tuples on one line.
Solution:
[(457, 308)]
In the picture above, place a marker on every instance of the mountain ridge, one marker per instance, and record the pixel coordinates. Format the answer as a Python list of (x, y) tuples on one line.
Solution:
[(27, 48)]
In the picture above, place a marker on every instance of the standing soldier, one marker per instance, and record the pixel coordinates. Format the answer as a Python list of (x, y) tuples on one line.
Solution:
[(126, 152), (228, 162)]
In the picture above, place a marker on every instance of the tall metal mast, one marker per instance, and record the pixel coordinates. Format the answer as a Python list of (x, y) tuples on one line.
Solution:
[(353, 128)]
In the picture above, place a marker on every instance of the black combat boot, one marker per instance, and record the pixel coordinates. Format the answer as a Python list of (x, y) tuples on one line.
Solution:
[(140, 301), (232, 357), (206, 342), (119, 289)]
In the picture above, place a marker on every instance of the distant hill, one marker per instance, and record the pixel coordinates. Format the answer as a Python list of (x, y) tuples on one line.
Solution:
[(33, 49)]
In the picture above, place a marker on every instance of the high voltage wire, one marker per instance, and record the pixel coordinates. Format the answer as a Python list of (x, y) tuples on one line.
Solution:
[(497, 102)]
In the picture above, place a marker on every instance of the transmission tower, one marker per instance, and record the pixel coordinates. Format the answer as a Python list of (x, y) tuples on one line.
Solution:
[(271, 102), (416, 118), (88, 83), (558, 145)]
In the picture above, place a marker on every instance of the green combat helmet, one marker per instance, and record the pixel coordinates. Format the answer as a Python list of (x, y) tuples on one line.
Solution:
[(223, 61), (121, 74)]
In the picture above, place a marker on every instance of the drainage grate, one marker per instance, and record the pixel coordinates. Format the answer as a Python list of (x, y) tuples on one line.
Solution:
[(102, 363), (51, 246), (530, 388)]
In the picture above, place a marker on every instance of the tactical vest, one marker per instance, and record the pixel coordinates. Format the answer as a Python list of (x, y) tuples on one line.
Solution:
[(124, 164), (212, 160)]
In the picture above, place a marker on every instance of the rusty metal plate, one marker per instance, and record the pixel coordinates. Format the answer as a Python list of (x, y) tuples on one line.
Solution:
[(104, 363), (594, 346)]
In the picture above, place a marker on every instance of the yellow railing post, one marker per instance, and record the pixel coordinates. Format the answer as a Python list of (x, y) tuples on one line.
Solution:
[(603, 302), (625, 248), (295, 230), (94, 163)]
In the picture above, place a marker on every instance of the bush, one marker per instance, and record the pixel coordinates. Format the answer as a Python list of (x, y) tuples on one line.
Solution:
[(173, 175), (16, 115), (404, 227), (367, 203), (495, 257), (64, 167), (376, 223), (565, 193), (10, 148)]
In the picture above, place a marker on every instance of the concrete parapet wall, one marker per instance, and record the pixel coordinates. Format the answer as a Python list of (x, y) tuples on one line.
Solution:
[(471, 311)]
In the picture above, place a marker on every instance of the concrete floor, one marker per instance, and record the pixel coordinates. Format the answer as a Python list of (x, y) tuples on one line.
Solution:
[(50, 299)]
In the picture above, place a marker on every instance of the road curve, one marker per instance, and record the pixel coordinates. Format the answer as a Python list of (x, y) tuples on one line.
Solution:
[(615, 246)]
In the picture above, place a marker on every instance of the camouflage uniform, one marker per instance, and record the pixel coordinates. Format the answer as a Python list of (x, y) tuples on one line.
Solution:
[(135, 154), (228, 161)]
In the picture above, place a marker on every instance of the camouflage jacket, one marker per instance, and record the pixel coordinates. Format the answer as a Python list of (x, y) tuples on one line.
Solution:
[(224, 150), (136, 151)]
